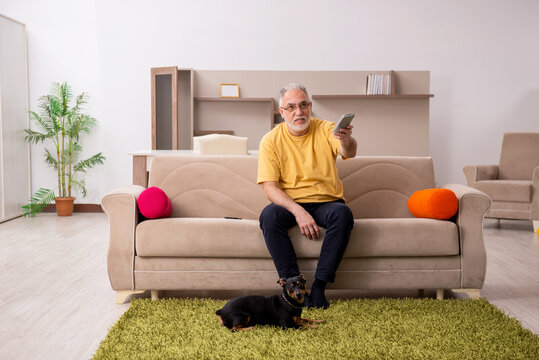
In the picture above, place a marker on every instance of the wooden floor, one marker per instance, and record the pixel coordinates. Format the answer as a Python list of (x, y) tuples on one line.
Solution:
[(56, 301)]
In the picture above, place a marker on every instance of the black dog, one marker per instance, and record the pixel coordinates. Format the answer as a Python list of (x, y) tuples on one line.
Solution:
[(284, 310)]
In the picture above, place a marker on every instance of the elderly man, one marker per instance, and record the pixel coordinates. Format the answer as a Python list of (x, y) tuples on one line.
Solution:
[(297, 169)]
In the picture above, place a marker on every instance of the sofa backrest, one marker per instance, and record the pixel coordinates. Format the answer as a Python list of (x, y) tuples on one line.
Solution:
[(221, 186), (379, 186), (211, 186), (519, 156)]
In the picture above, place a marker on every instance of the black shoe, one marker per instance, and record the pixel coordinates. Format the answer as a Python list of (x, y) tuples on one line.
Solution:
[(317, 299), (307, 302)]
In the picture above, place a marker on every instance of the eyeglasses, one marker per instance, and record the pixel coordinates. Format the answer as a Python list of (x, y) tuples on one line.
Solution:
[(292, 107)]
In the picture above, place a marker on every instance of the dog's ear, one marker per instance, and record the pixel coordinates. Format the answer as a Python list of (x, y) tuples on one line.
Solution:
[(303, 277), (281, 282)]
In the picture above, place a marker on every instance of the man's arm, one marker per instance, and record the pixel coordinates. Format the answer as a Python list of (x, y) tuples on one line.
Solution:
[(348, 143), (305, 221)]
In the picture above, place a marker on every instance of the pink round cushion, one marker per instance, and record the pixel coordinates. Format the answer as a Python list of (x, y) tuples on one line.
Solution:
[(153, 203)]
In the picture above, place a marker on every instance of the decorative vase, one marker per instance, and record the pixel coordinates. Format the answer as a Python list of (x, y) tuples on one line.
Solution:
[(64, 206)]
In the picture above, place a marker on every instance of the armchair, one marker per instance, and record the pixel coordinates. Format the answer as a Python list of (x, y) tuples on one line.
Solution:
[(513, 185)]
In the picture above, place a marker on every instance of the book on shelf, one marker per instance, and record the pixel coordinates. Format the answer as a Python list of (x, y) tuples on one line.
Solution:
[(380, 84)]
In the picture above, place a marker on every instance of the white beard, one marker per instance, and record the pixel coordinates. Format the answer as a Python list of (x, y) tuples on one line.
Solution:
[(300, 128)]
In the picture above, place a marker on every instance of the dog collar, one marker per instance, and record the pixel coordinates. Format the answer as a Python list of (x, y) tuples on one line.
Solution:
[(289, 303)]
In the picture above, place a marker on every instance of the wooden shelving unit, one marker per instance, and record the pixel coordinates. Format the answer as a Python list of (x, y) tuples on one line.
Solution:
[(172, 108), (186, 103), (164, 107)]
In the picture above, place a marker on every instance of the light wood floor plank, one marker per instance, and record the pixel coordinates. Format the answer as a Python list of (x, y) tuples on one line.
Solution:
[(56, 300)]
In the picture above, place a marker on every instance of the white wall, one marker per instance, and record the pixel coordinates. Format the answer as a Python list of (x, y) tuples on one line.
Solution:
[(482, 54)]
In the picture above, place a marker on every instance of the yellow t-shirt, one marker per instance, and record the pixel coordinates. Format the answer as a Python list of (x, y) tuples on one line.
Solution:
[(303, 166)]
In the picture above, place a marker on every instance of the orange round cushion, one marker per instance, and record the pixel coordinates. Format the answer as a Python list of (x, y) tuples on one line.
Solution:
[(439, 204)]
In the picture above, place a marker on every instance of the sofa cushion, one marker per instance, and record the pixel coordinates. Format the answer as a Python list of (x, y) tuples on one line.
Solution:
[(200, 237), (433, 203), (403, 237), (506, 190), (229, 238), (153, 203)]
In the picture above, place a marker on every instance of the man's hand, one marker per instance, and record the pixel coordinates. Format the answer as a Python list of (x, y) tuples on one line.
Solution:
[(306, 224), (305, 221), (348, 143)]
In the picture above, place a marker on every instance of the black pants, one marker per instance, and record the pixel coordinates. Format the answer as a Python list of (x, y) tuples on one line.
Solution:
[(334, 216)]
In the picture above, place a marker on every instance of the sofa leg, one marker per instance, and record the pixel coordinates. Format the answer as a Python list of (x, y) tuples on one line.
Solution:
[(439, 294), (536, 226), (155, 295), (122, 295), (472, 293)]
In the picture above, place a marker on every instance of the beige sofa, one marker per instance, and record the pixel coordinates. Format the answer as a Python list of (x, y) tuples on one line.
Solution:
[(197, 248)]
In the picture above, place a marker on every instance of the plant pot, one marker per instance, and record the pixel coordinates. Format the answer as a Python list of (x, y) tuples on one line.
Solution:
[(64, 206)]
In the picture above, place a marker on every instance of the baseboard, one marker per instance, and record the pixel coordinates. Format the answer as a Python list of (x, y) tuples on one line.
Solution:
[(78, 208)]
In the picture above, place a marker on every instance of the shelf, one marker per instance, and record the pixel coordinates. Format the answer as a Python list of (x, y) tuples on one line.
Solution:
[(240, 99), (357, 96)]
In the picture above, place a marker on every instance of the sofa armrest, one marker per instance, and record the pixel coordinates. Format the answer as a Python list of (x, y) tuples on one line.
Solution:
[(474, 173), (473, 205), (121, 207), (535, 195)]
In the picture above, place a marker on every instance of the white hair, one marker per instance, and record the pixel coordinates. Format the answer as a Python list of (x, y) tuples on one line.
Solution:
[(292, 86)]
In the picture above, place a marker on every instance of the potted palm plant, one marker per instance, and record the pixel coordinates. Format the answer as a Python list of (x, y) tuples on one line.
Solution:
[(61, 124)]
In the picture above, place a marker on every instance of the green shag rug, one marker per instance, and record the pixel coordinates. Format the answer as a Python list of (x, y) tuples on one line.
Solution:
[(355, 329)]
